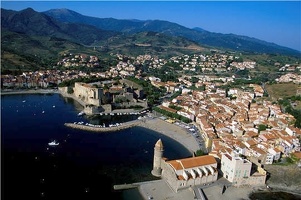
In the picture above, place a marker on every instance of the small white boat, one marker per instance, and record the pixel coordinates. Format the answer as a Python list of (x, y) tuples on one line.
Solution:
[(53, 143), (81, 113)]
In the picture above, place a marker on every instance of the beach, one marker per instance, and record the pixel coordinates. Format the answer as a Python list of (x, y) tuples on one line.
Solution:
[(173, 131)]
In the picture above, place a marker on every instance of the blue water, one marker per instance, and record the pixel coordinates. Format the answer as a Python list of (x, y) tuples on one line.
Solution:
[(85, 164)]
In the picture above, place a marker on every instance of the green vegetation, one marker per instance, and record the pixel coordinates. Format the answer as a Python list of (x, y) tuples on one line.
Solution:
[(70, 90), (165, 73), (241, 83), (172, 115), (199, 153), (289, 160), (174, 95), (286, 104), (281, 90), (270, 62), (68, 83), (153, 94), (175, 107), (262, 127)]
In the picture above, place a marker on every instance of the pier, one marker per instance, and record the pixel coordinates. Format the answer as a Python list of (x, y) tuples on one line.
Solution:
[(135, 185), (104, 129), (125, 186)]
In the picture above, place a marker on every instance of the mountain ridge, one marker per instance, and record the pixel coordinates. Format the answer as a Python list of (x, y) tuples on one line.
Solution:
[(30, 38), (199, 35), (31, 22)]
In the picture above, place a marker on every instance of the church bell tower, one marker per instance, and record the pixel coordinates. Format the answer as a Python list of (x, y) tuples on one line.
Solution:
[(158, 154)]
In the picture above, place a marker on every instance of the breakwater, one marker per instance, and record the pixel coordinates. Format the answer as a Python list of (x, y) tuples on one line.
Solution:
[(104, 129)]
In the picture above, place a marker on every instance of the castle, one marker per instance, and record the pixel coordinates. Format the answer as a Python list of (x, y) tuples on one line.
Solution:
[(99, 97)]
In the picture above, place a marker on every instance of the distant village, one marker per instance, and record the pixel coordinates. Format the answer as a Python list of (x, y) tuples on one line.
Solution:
[(206, 63), (234, 123)]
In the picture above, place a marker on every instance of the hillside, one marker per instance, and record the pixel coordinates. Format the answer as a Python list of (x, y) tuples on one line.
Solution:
[(33, 23), (20, 51), (198, 35), (31, 39), (149, 43)]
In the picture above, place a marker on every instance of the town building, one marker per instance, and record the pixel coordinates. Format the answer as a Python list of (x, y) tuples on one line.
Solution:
[(240, 171), (184, 173)]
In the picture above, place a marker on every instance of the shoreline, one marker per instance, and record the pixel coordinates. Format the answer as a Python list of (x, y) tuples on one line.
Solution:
[(173, 131), (155, 124), (30, 91)]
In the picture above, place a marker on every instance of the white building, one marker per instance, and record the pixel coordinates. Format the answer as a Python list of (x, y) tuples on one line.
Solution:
[(239, 171)]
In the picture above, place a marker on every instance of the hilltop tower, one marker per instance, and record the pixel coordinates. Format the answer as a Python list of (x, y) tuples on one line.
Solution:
[(158, 154)]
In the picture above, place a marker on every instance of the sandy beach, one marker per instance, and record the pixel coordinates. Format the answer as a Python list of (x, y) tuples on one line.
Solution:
[(173, 131)]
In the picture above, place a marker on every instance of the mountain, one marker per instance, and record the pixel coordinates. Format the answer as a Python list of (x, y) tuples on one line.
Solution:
[(21, 51), (202, 37), (33, 23), (150, 43), (32, 39)]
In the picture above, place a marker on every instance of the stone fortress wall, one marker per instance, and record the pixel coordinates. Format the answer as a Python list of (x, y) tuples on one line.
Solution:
[(88, 93)]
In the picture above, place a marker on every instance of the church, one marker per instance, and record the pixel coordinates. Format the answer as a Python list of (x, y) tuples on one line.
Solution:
[(184, 173)]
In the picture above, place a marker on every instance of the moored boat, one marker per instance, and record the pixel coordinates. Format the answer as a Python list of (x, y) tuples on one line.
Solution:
[(53, 143)]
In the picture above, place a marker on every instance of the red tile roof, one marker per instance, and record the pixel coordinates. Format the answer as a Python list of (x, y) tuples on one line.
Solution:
[(192, 162)]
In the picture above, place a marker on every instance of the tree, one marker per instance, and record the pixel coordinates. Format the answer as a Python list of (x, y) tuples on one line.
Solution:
[(199, 153), (262, 127), (70, 90)]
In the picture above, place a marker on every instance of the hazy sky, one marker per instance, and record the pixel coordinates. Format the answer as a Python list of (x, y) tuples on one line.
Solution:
[(273, 21)]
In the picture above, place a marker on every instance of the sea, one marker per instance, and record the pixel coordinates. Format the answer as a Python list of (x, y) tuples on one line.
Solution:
[(85, 165)]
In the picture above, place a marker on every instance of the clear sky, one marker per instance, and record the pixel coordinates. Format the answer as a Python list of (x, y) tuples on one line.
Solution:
[(272, 21)]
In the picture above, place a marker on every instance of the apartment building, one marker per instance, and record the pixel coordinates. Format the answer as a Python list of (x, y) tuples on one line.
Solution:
[(239, 171)]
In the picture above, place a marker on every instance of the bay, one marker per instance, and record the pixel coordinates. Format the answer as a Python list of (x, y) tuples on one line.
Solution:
[(85, 164)]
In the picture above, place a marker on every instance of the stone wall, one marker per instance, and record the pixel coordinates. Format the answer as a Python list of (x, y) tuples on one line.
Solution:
[(87, 93)]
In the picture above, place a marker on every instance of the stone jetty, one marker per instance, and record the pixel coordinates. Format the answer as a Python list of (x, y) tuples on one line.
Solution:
[(104, 129)]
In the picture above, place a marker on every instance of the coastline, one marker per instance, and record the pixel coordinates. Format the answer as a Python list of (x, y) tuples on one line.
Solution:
[(173, 131), (160, 189), (31, 91)]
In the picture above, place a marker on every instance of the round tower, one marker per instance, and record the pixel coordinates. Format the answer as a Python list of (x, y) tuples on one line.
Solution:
[(158, 154)]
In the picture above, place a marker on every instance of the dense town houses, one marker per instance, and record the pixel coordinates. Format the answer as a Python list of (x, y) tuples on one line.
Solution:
[(235, 123)]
